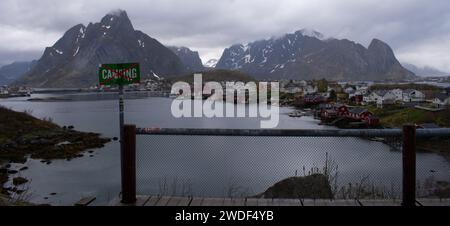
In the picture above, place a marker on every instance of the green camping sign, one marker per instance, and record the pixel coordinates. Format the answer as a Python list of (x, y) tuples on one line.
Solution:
[(119, 74)]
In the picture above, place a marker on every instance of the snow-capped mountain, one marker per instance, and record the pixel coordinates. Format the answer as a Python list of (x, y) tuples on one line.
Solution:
[(307, 54), (211, 63), (73, 60), (189, 58), (312, 33)]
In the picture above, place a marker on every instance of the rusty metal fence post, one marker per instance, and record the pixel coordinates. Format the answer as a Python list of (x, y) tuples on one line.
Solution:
[(128, 165), (409, 165)]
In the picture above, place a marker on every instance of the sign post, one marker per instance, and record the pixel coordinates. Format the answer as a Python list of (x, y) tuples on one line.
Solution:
[(120, 75), (121, 120)]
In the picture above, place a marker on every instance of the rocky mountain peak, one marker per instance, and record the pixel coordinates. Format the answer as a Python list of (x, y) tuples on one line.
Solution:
[(381, 57), (73, 60), (306, 54), (380, 47), (117, 19), (310, 33)]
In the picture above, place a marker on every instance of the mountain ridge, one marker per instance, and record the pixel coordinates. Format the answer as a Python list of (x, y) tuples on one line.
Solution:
[(10, 73), (309, 55), (425, 70), (189, 58), (73, 60)]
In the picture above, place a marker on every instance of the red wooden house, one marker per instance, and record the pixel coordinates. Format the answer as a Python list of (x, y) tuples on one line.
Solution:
[(358, 113), (328, 113), (363, 115), (342, 110), (372, 120)]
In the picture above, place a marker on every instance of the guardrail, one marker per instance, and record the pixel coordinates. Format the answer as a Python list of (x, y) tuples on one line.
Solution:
[(291, 132), (408, 133)]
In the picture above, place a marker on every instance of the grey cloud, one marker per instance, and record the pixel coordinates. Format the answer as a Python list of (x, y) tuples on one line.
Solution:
[(6, 56), (416, 29)]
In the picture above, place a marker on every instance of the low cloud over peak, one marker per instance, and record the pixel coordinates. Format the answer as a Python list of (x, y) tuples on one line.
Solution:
[(418, 31)]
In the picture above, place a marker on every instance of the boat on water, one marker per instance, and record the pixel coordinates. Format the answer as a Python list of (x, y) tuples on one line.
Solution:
[(296, 114), (173, 95), (377, 139)]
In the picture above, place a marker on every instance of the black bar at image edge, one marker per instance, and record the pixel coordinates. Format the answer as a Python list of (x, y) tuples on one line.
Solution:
[(281, 215)]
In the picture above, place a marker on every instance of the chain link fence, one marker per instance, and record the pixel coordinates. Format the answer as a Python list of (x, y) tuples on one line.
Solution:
[(258, 163)]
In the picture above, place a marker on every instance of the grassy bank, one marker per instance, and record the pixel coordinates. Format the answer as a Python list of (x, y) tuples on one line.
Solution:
[(396, 116), (23, 136)]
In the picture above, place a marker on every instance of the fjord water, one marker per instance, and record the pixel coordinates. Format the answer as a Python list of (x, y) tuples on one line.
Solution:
[(207, 166)]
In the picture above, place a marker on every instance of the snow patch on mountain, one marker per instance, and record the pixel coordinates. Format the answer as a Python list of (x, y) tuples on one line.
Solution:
[(58, 51), (76, 51), (141, 43), (245, 47), (155, 75), (211, 63)]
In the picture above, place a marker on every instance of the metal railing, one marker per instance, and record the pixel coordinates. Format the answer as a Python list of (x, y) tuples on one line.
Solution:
[(408, 134), (291, 132)]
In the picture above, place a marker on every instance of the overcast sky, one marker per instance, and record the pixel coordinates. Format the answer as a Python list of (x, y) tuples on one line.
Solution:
[(417, 30)]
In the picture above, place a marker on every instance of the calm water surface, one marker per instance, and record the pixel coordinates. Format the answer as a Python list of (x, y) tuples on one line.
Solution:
[(209, 166)]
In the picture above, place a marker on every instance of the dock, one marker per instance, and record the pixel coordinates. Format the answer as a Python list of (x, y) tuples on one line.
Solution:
[(156, 200)]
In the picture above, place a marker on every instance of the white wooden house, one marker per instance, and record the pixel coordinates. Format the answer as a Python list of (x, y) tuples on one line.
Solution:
[(441, 100), (349, 90), (364, 90), (3, 90), (295, 86), (380, 97), (292, 88), (412, 95), (310, 89), (398, 94)]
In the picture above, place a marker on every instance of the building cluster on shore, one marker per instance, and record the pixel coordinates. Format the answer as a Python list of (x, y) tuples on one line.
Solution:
[(343, 116), (361, 93), (306, 92), (6, 91), (345, 104)]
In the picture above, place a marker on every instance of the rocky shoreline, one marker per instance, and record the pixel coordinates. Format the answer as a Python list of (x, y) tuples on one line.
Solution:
[(24, 136)]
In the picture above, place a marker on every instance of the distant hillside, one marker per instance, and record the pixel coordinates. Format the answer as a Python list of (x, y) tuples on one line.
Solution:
[(425, 71), (12, 72), (189, 58), (217, 75), (415, 86)]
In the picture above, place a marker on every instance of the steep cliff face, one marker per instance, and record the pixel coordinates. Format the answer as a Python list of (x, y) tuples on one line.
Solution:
[(189, 58)]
